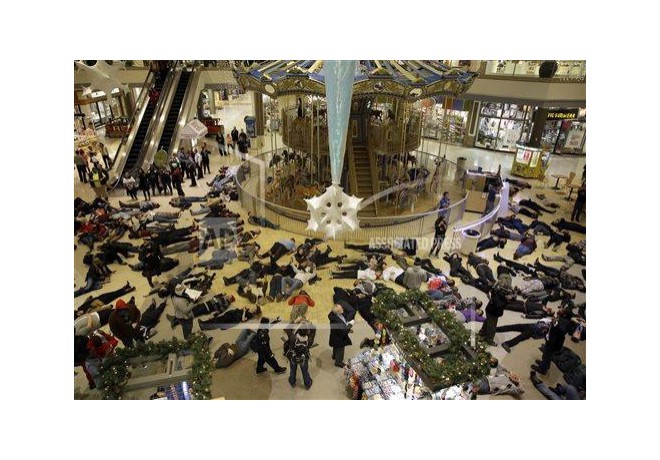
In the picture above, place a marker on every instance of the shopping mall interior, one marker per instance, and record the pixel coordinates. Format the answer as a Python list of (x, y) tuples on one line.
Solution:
[(386, 229)]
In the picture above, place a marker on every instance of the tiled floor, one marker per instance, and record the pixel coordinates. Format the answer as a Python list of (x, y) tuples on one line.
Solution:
[(239, 381)]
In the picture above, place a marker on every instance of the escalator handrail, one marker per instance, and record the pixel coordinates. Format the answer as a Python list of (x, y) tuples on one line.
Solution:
[(134, 124), (185, 106), (169, 85)]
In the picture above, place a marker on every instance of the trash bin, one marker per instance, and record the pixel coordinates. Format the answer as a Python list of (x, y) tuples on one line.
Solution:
[(469, 241), (461, 164)]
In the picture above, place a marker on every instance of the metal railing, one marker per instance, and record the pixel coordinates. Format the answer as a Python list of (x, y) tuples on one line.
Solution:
[(249, 179), (530, 69)]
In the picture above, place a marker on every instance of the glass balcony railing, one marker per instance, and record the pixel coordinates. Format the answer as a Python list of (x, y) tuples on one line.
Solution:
[(565, 69)]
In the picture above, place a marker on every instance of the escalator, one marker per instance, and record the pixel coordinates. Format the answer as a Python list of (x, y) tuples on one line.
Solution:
[(175, 109), (134, 153)]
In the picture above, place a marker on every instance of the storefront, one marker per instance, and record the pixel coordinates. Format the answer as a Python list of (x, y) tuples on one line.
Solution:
[(502, 125), (444, 119), (565, 131), (101, 109)]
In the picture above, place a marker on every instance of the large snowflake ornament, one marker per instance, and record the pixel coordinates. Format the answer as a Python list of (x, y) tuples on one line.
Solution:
[(333, 212)]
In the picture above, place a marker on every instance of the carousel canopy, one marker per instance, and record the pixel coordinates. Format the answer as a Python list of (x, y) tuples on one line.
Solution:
[(410, 80)]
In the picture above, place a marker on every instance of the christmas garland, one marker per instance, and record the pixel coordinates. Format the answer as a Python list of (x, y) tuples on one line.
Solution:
[(456, 367), (115, 370)]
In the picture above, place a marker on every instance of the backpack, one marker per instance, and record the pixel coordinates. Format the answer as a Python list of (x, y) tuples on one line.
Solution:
[(298, 352)]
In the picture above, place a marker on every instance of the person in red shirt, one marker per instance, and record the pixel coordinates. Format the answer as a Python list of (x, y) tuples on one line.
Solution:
[(301, 298)]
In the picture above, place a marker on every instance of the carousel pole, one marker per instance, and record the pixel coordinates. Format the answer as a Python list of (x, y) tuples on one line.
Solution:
[(318, 141)]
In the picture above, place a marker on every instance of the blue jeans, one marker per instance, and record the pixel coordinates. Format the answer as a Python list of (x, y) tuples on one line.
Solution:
[(547, 392), (304, 369), (275, 286), (90, 285), (523, 250), (435, 294), (243, 342), (289, 285)]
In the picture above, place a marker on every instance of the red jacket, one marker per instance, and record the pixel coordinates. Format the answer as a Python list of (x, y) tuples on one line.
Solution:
[(101, 344), (299, 299)]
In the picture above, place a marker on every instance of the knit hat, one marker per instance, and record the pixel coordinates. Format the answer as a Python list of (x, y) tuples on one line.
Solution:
[(121, 304), (179, 289)]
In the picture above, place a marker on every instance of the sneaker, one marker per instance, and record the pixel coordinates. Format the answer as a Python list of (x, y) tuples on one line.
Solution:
[(537, 369), (506, 347), (226, 280), (281, 370), (307, 387)]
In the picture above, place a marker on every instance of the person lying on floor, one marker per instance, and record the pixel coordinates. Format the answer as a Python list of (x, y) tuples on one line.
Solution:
[(531, 308), (228, 353), (500, 382), (304, 250), (505, 234), (358, 301), (261, 222), (141, 205), (491, 242), (526, 246), (360, 270), (230, 318), (485, 278), (526, 331), (567, 280), (88, 322), (426, 264), (516, 208), (514, 265), (533, 205), (219, 258), (559, 392), (383, 249), (563, 224), (151, 317), (513, 223), (248, 252), (518, 183), (96, 276), (557, 238), (279, 249), (320, 259), (216, 305), (303, 275), (246, 237), (456, 268), (98, 302), (186, 201)]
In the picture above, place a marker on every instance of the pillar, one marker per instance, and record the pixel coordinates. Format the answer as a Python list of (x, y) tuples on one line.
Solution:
[(540, 117), (472, 123), (258, 110)]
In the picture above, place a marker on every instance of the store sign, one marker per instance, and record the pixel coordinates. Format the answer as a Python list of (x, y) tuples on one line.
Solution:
[(563, 114)]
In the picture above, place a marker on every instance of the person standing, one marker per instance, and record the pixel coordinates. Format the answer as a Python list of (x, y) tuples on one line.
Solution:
[(297, 351), (97, 179), (230, 143), (183, 310), (339, 329), (220, 139), (131, 187), (440, 232), (261, 344), (105, 155), (444, 204), (177, 178), (153, 180), (500, 295), (192, 169), (554, 341), (143, 180), (199, 163), (580, 202), (166, 180), (243, 144), (234, 136), (81, 166), (206, 161)]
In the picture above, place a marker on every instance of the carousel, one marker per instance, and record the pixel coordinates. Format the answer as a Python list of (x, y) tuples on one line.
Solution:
[(385, 117)]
